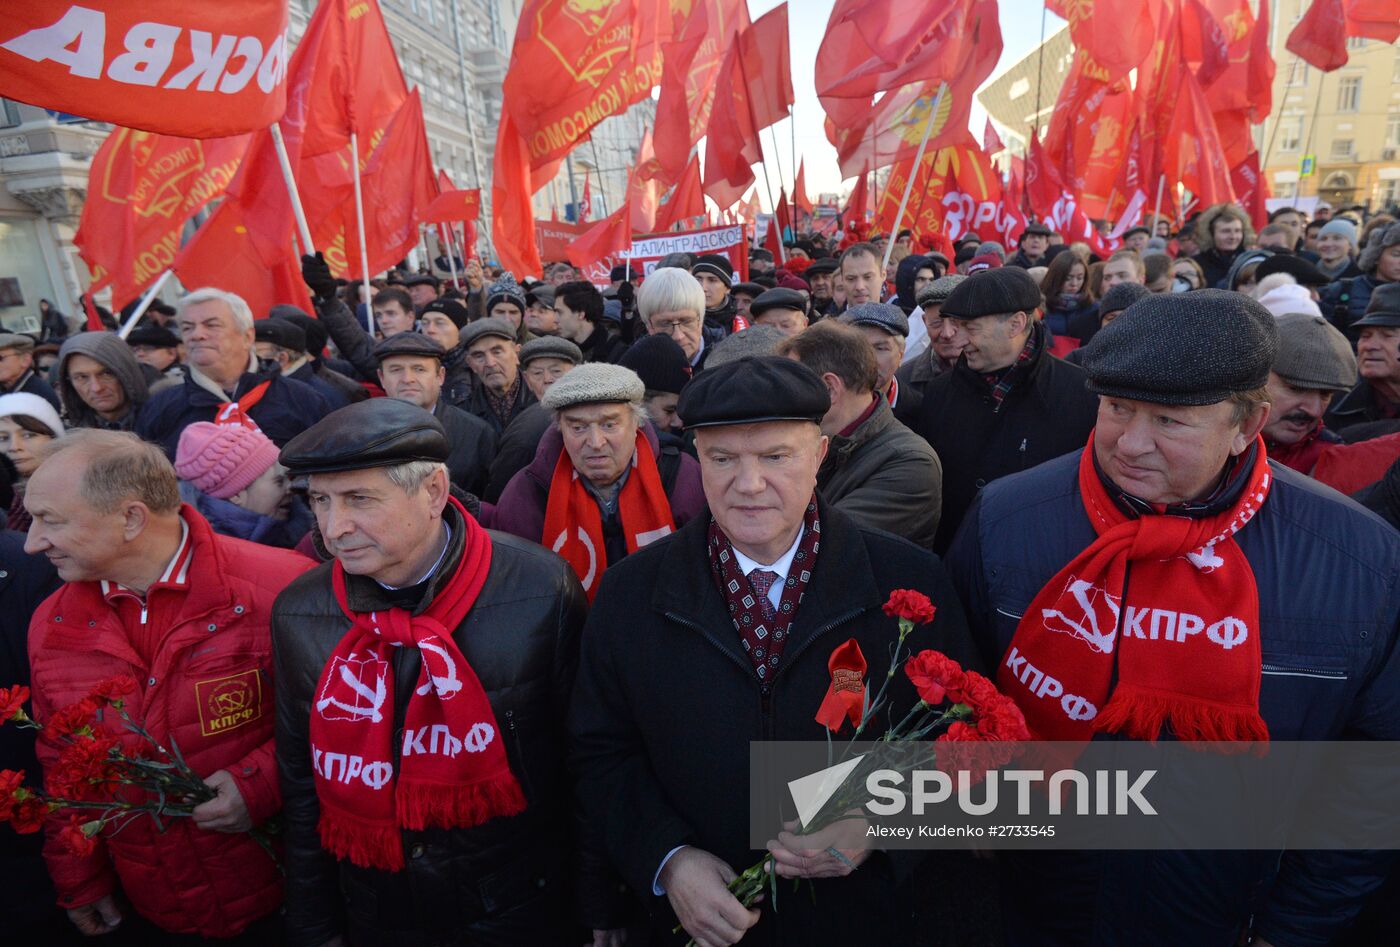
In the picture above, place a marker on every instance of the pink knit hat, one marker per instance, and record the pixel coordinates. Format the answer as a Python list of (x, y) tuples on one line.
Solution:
[(222, 459)]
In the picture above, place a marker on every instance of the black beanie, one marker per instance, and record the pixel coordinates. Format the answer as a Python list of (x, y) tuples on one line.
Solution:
[(659, 361)]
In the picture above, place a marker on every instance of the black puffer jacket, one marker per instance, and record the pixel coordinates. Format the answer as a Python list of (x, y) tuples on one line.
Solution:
[(507, 881)]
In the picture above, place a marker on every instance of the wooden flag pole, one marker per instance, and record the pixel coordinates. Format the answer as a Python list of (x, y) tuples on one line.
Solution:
[(360, 224), (303, 231), (145, 304), (913, 173)]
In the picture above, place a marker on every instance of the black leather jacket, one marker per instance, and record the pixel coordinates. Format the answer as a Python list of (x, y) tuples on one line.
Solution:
[(507, 881)]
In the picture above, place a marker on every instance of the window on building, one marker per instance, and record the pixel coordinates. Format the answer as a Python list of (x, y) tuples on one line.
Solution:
[(1290, 134), (1297, 72), (1289, 189), (9, 114), (1392, 130), (1342, 147), (1349, 94), (1390, 192), (1356, 42), (1395, 76)]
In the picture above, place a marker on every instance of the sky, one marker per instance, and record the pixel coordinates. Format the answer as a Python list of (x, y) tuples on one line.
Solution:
[(1020, 30)]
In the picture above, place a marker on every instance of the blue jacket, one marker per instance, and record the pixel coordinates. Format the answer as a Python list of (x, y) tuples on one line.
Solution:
[(1344, 302), (288, 408), (1328, 574)]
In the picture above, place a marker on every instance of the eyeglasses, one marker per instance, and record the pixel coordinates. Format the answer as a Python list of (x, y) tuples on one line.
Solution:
[(669, 326)]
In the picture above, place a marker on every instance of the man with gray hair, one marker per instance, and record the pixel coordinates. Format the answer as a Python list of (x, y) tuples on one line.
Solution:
[(223, 382), (599, 487), (942, 351), (1314, 364), (422, 677), (152, 593), (671, 302)]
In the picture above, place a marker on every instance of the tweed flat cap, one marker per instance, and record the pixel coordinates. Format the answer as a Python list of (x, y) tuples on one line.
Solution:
[(936, 293), (16, 340), (778, 299), (751, 391), (280, 333), (746, 343), (378, 432), (157, 337), (594, 383), (1312, 353), (1183, 349), (885, 316), (994, 292), (1036, 229), (481, 328), (450, 308), (1122, 295), (550, 346), (716, 265), (1384, 308), (408, 343)]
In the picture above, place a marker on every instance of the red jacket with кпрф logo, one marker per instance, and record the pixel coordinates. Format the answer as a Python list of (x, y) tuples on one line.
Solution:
[(209, 689)]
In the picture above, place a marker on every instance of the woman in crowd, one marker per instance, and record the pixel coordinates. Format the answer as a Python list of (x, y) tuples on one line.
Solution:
[(27, 422), (1068, 309)]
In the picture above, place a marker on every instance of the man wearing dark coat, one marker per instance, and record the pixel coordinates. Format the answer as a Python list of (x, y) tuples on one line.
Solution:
[(670, 691)]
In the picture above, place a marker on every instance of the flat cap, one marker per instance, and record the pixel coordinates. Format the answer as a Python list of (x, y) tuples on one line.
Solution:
[(1138, 229), (778, 299), (1122, 295), (885, 316), (828, 264), (450, 308), (16, 340), (594, 383), (1384, 308), (157, 337), (481, 328), (936, 292), (659, 361), (716, 265), (378, 432), (541, 293), (408, 343), (993, 292), (1312, 353), (280, 333), (421, 279), (751, 391), (746, 343), (550, 346), (1303, 272), (1183, 348), (1036, 229), (753, 290)]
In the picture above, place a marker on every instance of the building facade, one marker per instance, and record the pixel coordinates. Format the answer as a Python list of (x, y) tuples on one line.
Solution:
[(1022, 97)]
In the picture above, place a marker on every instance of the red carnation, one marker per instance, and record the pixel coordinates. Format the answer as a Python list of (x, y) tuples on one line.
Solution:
[(976, 692), (12, 701), (75, 839), (113, 689), (83, 768), (933, 674), (28, 813), (1002, 721), (73, 720), (10, 780), (908, 605)]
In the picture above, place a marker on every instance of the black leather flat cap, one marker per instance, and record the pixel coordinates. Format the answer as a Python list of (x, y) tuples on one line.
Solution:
[(380, 432)]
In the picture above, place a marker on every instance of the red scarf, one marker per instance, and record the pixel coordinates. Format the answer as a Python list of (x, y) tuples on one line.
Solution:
[(453, 769), (236, 412), (573, 526), (1185, 649)]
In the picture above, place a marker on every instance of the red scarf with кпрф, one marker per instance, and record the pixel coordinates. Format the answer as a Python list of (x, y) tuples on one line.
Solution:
[(1180, 629)]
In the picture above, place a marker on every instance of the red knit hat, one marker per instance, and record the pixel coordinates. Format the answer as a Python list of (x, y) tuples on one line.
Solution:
[(222, 459)]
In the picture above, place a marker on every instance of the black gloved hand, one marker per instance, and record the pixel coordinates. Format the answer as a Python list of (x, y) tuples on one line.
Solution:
[(316, 272)]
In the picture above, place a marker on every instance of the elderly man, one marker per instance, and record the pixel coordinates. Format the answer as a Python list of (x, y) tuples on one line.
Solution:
[(422, 288), (1313, 365), (1173, 509), (1008, 404), (715, 274), (579, 308), (498, 393), (820, 276), (860, 274), (17, 369), (543, 361), (281, 343), (101, 382), (154, 594), (672, 303), (600, 487), (422, 677), (223, 380), (876, 469), (783, 309), (886, 328), (1033, 243), (410, 370), (941, 353), (157, 347), (1373, 406), (721, 635)]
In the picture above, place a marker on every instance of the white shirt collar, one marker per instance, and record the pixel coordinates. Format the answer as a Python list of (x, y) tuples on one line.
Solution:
[(782, 565)]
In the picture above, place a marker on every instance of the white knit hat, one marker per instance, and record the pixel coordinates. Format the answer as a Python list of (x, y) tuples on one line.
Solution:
[(33, 406)]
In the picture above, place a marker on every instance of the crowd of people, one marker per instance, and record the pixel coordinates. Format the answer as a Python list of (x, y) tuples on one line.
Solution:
[(509, 574)]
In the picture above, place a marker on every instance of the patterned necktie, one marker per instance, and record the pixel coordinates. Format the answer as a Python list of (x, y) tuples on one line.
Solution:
[(762, 580)]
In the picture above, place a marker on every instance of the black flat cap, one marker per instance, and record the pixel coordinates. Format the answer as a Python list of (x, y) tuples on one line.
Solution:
[(316, 335), (281, 333), (552, 346), (379, 432), (421, 279), (1295, 266), (777, 299), (408, 343), (993, 292), (1036, 229), (753, 290), (1132, 230), (1384, 307), (754, 390), (1183, 348), (826, 264), (450, 308), (157, 337), (1122, 295)]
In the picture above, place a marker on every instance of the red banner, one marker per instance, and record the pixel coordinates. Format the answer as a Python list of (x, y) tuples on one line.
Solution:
[(193, 68), (450, 207)]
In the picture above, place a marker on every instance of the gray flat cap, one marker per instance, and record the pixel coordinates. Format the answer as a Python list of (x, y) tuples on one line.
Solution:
[(936, 292), (885, 316), (481, 328), (1312, 353), (746, 343), (550, 346), (594, 383)]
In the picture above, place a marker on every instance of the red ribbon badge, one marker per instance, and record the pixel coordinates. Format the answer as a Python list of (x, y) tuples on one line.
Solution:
[(845, 698)]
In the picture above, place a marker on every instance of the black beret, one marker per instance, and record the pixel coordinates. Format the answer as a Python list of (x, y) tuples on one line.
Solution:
[(753, 390), (1295, 266), (778, 299), (155, 336), (378, 432), (408, 343), (450, 308), (826, 264), (993, 292), (716, 265), (280, 333), (1384, 307), (1183, 348)]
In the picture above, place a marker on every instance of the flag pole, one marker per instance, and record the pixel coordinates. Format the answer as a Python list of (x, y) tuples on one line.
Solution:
[(1157, 207), (423, 239), (145, 304), (452, 256), (303, 231), (913, 173), (360, 224)]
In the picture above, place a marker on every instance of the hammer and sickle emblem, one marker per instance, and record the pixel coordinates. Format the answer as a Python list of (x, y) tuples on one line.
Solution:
[(445, 684), (231, 701), (373, 698)]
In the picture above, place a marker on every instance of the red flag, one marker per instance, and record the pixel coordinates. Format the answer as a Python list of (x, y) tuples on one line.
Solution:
[(783, 214), (1115, 36), (1087, 134), (603, 239), (799, 190), (1204, 43), (94, 321), (142, 189), (765, 45), (1259, 77), (1320, 37), (1374, 19), (512, 216), (193, 68), (991, 141), (772, 242), (858, 203), (643, 192), (452, 206), (1250, 189), (1196, 157), (398, 184), (687, 200), (585, 205)]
